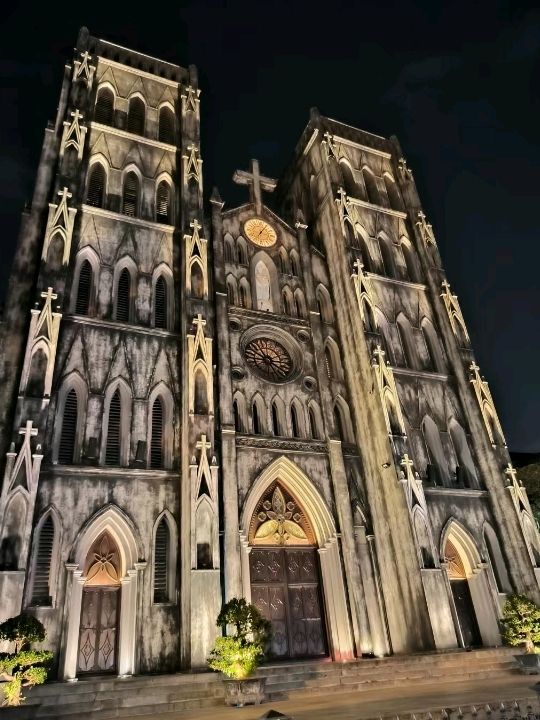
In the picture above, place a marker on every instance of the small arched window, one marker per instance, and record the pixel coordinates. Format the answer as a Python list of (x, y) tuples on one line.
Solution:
[(433, 348), (130, 196), (160, 304), (41, 593), (68, 434), (84, 289), (314, 422), (112, 449), (229, 250), (349, 183), (242, 254), (236, 413), (161, 562), (333, 360), (167, 123), (256, 420), (437, 469), (136, 116), (407, 342), (123, 297), (104, 111), (283, 261), (394, 197), (156, 443), (295, 265), (387, 256), (163, 203), (300, 303), (245, 299), (276, 425), (325, 305), (342, 421), (370, 182), (410, 262), (231, 290), (95, 194), (201, 394), (35, 387), (295, 421)]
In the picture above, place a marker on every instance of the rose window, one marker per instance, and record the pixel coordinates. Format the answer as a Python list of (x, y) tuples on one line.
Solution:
[(269, 359)]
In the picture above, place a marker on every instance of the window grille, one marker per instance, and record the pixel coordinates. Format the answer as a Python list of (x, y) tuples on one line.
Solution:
[(96, 186), (104, 112), (84, 289), (160, 303), (130, 199), (66, 449), (136, 113), (161, 553), (156, 443), (123, 296), (166, 126), (112, 450), (41, 594), (163, 203)]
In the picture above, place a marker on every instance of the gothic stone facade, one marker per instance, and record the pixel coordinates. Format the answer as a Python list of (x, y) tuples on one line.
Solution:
[(280, 405)]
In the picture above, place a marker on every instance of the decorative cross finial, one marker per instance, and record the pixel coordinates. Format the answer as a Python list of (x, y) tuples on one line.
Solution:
[(510, 472), (202, 444), (256, 182), (76, 115), (195, 224), (28, 431), (407, 463), (199, 321), (64, 194), (49, 295), (379, 354), (446, 286)]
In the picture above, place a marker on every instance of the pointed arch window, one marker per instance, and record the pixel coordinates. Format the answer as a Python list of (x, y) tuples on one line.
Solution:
[(112, 449), (166, 132), (104, 110), (242, 254), (68, 435), (156, 443), (35, 387), (256, 420), (342, 422), (41, 592), (160, 303), (295, 422), (437, 469), (229, 250), (387, 256), (130, 197), (136, 116), (349, 183), (163, 203), (295, 265), (123, 297), (84, 288), (161, 562), (236, 413), (201, 394), (314, 422), (276, 425), (95, 193), (197, 280), (300, 304)]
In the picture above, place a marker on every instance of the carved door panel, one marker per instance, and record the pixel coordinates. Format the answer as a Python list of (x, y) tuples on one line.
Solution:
[(285, 588), (98, 630)]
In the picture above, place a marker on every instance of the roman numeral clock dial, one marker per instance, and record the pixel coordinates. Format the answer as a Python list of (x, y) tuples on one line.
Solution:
[(260, 232)]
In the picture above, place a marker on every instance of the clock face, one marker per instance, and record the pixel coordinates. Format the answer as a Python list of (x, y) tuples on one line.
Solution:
[(260, 232)]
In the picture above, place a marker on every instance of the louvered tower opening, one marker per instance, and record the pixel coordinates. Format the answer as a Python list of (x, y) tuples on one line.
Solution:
[(96, 186), (135, 120), (104, 112), (112, 451), (66, 448), (84, 290), (123, 296), (161, 553), (163, 203), (41, 594), (166, 126), (160, 303), (156, 444), (130, 198)]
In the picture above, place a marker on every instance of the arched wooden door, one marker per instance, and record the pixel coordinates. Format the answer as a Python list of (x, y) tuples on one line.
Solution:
[(100, 611), (285, 579), (461, 593)]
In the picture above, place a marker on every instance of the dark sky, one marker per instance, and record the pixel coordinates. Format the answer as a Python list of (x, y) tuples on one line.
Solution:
[(457, 82)]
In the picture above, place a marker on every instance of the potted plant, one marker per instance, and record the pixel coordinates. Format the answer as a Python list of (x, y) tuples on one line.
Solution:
[(521, 626), (23, 667), (238, 654)]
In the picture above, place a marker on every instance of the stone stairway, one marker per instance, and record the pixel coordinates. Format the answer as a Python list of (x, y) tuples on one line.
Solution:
[(104, 698)]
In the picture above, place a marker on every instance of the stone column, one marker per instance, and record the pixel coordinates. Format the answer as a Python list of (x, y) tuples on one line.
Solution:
[(379, 642)]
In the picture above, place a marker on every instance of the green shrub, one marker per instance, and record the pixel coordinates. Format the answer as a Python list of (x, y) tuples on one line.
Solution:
[(24, 667), (521, 622), (238, 656)]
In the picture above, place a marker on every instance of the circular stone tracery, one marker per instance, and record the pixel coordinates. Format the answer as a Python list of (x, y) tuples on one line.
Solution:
[(269, 359)]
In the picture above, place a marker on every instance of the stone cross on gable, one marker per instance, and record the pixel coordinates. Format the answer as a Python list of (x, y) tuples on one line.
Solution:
[(407, 463), (446, 286), (511, 473), (256, 182), (202, 444), (28, 431), (76, 116), (64, 194), (199, 321), (49, 295)]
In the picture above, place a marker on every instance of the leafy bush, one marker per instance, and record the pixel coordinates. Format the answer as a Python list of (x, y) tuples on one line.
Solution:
[(24, 667), (521, 622), (238, 656)]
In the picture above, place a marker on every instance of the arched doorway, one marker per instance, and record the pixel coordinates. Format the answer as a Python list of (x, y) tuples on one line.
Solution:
[(285, 575), (98, 630), (461, 594)]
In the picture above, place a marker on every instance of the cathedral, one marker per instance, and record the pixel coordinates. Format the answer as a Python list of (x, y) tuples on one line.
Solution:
[(200, 402)]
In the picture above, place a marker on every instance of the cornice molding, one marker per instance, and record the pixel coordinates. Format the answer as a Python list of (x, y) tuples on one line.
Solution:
[(132, 136)]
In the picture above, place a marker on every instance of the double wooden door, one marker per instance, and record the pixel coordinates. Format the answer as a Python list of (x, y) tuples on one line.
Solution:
[(285, 588), (98, 630), (466, 613)]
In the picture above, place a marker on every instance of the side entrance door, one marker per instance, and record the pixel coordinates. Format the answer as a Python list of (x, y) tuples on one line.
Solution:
[(465, 612), (98, 631), (285, 587)]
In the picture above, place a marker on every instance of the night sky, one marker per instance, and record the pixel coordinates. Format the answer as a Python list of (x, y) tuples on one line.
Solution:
[(457, 82)]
